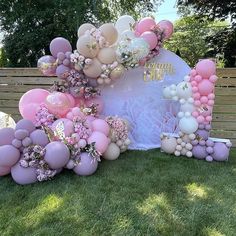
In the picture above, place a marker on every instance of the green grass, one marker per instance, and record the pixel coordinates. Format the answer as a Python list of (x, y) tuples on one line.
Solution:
[(142, 193)]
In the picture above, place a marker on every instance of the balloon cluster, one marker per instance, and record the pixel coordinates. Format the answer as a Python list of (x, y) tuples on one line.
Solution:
[(196, 97)]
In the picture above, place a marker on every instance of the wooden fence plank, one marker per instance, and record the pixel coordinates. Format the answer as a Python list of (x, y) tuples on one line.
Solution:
[(8, 72), (21, 88), (231, 126), (225, 91), (225, 100), (224, 117), (224, 109)]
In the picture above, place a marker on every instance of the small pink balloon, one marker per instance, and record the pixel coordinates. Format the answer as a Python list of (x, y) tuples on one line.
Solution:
[(204, 99), (101, 126), (150, 38), (196, 96), (101, 141), (194, 83), (213, 78), (195, 114), (209, 118), (5, 170), (168, 28), (197, 103), (211, 96), (145, 24), (58, 103), (205, 87), (206, 68), (194, 89), (60, 44), (68, 126), (210, 102), (98, 101), (200, 119), (193, 72)]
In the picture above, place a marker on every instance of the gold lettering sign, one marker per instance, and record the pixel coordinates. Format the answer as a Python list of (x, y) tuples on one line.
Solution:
[(156, 71)]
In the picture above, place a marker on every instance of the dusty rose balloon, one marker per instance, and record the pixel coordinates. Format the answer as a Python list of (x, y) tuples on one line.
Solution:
[(84, 27), (150, 38), (101, 141), (5, 170), (87, 46), (107, 55), (9, 155), (6, 136), (97, 101), (23, 175), (199, 152), (68, 126), (168, 28), (112, 152), (25, 124), (117, 72), (29, 111), (87, 165), (47, 65), (168, 145), (59, 44), (61, 69), (109, 32), (71, 98), (101, 126), (221, 152), (145, 24), (58, 103), (57, 155), (206, 68), (205, 87), (39, 137), (93, 70)]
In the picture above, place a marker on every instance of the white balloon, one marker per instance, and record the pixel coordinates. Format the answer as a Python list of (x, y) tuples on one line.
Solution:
[(124, 23), (6, 121), (184, 90), (127, 34), (188, 125), (187, 107)]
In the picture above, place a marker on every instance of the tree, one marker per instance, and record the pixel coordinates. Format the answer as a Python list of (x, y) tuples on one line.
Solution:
[(190, 37), (223, 42), (30, 25)]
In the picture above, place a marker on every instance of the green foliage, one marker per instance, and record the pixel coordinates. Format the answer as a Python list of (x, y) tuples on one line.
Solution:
[(3, 59), (141, 193), (190, 37), (29, 26)]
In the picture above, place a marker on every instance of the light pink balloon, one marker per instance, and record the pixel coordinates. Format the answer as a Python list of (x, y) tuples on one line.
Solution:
[(168, 28), (29, 111), (98, 101), (206, 68), (150, 38), (68, 126), (205, 87), (58, 103), (60, 44), (145, 24), (101, 141), (5, 170), (101, 126), (71, 98)]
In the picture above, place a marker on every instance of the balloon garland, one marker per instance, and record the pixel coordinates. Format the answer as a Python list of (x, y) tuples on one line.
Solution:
[(196, 97)]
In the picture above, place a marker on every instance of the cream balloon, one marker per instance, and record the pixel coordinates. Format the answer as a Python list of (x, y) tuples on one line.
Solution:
[(168, 145), (87, 46), (112, 152), (127, 34), (84, 27), (124, 23), (117, 72), (184, 90), (93, 70), (109, 32), (6, 121), (107, 55)]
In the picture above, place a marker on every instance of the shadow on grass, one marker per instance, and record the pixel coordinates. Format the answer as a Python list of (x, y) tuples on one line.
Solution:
[(142, 193)]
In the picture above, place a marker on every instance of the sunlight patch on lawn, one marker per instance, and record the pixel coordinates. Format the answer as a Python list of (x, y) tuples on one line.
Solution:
[(212, 232), (49, 204), (196, 191), (122, 223)]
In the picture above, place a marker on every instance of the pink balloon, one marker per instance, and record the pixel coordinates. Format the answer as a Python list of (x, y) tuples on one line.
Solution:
[(101, 141), (60, 44), (68, 126), (145, 24), (29, 111), (58, 103), (205, 87), (206, 68), (98, 101), (168, 28), (5, 170), (101, 126), (47, 65), (71, 98), (90, 118), (150, 38)]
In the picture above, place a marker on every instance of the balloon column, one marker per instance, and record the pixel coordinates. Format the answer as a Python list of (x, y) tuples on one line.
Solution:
[(196, 97)]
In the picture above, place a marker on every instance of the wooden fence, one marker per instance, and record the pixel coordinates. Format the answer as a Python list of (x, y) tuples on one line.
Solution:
[(16, 81)]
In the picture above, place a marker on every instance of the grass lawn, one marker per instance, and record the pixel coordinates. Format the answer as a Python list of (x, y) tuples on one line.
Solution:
[(142, 193)]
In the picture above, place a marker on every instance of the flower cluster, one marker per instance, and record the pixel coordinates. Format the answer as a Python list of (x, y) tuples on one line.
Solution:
[(34, 157), (82, 128), (79, 60), (44, 117)]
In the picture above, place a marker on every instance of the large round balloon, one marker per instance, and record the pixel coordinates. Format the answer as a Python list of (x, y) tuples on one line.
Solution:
[(60, 44), (112, 152), (145, 24), (87, 165), (107, 55), (39, 137), (85, 27), (109, 32), (168, 145), (93, 70), (188, 125), (124, 23), (5, 170), (206, 68), (151, 38), (87, 46), (6, 136), (221, 152), (168, 28), (57, 155), (23, 175), (9, 155), (101, 126)]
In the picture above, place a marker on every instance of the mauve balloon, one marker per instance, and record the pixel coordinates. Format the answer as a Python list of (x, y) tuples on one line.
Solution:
[(25, 124), (9, 155), (39, 137), (221, 152), (87, 165), (199, 152), (23, 175), (4, 170), (6, 136), (204, 134), (57, 155)]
